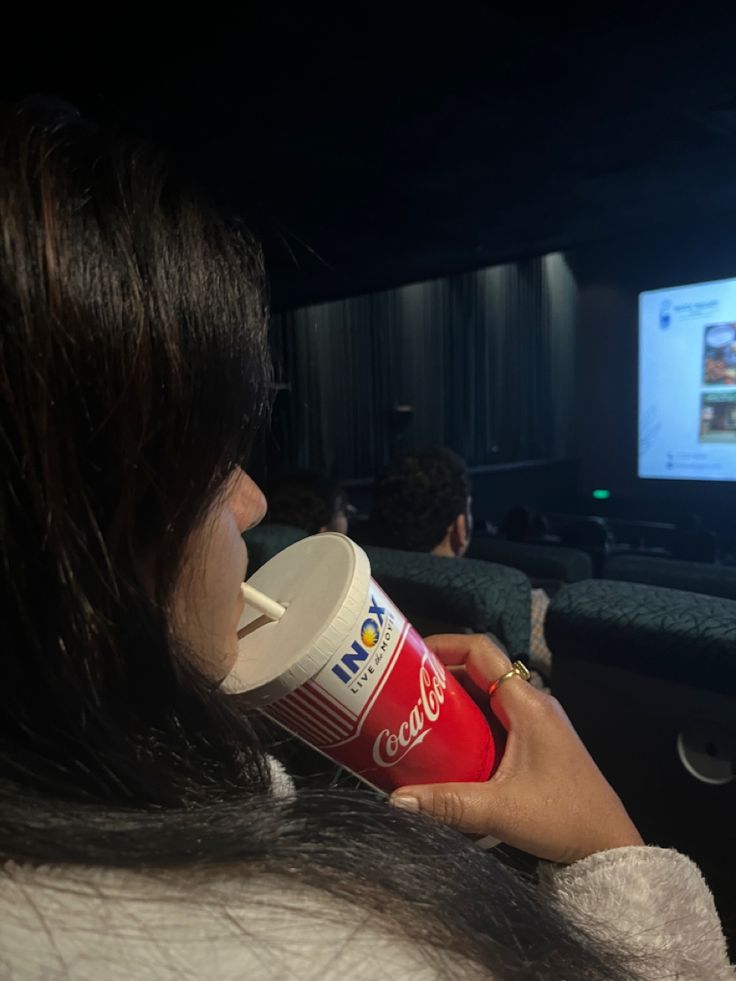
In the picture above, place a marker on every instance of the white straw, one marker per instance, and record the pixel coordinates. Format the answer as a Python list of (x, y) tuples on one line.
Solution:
[(264, 604)]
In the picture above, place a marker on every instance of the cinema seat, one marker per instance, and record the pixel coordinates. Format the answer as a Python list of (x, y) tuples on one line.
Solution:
[(648, 677), (442, 594), (695, 577), (547, 566)]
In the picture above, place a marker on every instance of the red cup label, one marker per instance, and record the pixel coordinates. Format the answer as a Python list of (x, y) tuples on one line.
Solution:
[(387, 709)]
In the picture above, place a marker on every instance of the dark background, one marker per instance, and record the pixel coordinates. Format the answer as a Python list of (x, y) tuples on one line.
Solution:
[(377, 144), (374, 145)]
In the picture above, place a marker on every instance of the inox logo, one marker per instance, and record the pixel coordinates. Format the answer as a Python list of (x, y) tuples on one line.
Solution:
[(370, 633)]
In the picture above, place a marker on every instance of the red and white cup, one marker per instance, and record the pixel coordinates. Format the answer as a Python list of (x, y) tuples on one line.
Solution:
[(344, 671)]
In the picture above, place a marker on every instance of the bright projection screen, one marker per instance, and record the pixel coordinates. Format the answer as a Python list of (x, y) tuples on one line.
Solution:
[(687, 382)]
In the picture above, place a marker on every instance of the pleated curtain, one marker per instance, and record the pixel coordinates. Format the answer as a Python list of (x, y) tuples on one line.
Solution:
[(482, 362)]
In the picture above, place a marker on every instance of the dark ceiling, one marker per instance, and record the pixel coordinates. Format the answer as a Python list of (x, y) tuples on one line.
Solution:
[(389, 143)]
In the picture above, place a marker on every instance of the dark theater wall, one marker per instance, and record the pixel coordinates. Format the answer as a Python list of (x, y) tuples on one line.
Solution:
[(606, 398), (482, 362)]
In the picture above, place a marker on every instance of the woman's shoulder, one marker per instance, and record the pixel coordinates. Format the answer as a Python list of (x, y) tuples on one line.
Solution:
[(653, 902)]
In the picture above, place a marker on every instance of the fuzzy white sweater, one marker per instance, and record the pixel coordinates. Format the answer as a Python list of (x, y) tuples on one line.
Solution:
[(94, 924)]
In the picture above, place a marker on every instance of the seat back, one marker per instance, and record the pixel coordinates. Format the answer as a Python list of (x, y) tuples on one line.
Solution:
[(696, 577), (440, 594), (648, 677), (546, 565)]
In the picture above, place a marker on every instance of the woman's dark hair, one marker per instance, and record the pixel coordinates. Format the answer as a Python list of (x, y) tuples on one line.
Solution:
[(133, 374), (417, 497), (305, 499)]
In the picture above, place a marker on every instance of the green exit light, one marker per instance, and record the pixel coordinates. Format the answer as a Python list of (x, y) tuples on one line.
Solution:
[(601, 495)]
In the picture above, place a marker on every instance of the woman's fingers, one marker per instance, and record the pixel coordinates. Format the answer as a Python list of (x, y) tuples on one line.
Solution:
[(470, 808), (483, 661), (547, 796), (516, 701)]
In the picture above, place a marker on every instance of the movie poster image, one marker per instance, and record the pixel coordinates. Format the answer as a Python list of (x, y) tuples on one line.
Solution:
[(718, 417), (719, 354)]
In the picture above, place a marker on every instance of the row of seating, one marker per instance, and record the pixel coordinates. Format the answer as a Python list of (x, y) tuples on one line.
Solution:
[(550, 566), (696, 577), (647, 674)]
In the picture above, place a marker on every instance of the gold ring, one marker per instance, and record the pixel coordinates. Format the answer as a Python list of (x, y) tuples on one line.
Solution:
[(518, 670)]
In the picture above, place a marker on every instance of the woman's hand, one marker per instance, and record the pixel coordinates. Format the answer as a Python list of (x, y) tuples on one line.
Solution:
[(547, 797)]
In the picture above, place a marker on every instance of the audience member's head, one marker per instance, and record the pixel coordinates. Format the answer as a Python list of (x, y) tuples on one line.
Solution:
[(309, 500), (586, 534), (421, 503), (522, 524), (689, 523), (692, 542)]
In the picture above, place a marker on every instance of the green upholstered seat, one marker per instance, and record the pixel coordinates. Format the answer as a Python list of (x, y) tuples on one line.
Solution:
[(542, 563), (442, 594), (695, 577)]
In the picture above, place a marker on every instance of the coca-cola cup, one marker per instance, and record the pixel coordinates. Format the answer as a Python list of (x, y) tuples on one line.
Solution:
[(344, 671)]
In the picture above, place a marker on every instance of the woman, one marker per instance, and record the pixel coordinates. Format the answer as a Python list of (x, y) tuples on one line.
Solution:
[(145, 832)]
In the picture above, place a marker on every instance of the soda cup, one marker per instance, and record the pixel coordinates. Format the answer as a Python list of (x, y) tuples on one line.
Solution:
[(344, 671)]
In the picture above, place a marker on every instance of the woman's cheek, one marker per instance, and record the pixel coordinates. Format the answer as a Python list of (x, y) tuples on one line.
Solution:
[(208, 602)]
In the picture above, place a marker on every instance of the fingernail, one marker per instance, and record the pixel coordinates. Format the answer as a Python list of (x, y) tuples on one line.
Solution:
[(405, 803)]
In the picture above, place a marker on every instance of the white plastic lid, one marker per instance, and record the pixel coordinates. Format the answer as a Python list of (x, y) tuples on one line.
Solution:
[(323, 582)]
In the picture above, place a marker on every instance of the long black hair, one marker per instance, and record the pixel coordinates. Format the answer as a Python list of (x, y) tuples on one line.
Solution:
[(133, 371), (133, 376)]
